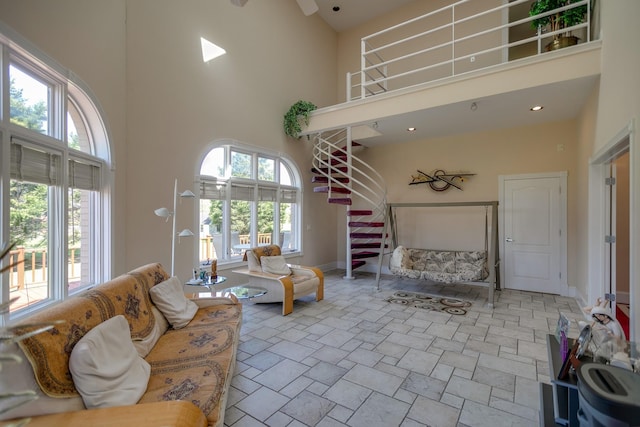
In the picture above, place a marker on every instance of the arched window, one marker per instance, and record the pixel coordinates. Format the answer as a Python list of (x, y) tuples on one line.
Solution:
[(55, 181), (247, 198)]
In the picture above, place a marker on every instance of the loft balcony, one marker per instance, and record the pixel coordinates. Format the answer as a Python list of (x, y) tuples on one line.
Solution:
[(459, 69)]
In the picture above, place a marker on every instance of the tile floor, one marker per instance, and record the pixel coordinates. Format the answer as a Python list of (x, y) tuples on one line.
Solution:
[(354, 359)]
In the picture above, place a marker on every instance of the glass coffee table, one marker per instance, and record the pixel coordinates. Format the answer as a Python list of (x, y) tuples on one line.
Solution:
[(245, 292), (195, 287)]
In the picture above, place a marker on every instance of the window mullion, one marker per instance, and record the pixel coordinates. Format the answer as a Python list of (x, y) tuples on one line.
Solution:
[(57, 246), (226, 221), (253, 230), (276, 214), (59, 103)]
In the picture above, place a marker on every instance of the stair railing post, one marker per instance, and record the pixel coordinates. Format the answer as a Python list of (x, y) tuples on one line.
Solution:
[(349, 270), (383, 242), (363, 65)]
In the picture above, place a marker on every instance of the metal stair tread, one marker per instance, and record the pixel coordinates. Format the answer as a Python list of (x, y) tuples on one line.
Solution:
[(366, 254), (326, 188), (341, 152), (326, 169), (366, 224), (339, 201), (359, 212), (325, 179), (357, 263), (359, 235), (368, 245)]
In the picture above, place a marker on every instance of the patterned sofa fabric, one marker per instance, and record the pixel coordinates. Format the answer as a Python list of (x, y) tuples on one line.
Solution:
[(194, 363), (439, 266)]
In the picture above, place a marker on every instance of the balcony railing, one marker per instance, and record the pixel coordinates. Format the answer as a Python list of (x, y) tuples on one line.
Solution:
[(29, 277), (35, 269), (454, 40), (207, 248)]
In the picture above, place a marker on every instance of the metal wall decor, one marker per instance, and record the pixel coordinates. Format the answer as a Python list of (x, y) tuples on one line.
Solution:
[(440, 180)]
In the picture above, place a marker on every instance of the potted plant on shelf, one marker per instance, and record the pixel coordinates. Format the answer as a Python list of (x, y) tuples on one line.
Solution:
[(558, 20), (298, 112)]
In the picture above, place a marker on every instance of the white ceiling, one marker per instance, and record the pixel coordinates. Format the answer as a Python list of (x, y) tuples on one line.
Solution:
[(354, 12), (561, 101)]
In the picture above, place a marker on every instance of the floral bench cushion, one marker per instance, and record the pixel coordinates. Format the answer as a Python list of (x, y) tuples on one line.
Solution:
[(439, 266), (436, 261)]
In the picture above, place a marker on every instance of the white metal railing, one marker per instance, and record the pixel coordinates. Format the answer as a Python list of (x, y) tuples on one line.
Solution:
[(331, 154), (450, 41)]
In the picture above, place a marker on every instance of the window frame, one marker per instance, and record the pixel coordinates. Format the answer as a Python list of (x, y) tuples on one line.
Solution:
[(226, 182), (64, 89)]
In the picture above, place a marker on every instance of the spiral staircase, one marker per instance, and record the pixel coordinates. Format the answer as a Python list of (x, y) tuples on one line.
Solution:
[(349, 181)]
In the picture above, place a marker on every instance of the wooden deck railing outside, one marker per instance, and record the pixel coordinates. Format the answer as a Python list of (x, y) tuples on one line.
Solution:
[(24, 273), (207, 249)]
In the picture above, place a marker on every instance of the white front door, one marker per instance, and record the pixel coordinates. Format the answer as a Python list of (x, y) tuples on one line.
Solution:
[(534, 232)]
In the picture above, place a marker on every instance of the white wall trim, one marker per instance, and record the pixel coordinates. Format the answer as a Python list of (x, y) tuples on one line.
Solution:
[(598, 262)]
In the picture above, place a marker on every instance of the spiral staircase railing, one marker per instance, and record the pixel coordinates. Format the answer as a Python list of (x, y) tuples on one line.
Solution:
[(349, 181)]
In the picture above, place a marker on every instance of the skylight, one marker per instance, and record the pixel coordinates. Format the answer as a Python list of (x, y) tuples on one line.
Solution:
[(210, 50)]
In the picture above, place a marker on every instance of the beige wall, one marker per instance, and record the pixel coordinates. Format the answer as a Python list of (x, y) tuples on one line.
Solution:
[(579, 226), (178, 106), (620, 83), (164, 106), (521, 150), (87, 37)]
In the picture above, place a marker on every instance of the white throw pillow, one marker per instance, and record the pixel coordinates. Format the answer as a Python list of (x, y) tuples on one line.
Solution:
[(169, 297), (106, 368), (252, 261), (275, 265), (145, 344)]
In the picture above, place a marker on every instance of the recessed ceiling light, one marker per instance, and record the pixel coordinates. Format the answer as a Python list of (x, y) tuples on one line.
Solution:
[(411, 129), (537, 108)]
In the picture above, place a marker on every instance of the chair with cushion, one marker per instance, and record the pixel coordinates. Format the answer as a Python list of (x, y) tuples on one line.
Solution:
[(284, 282)]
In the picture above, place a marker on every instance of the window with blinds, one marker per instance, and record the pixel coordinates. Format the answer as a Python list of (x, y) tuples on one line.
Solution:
[(247, 198), (55, 157), (84, 175), (34, 165)]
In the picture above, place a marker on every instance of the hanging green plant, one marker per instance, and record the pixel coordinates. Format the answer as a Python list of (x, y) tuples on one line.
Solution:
[(298, 111)]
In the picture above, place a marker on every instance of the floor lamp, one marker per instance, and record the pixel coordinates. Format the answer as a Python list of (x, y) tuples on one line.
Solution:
[(166, 213)]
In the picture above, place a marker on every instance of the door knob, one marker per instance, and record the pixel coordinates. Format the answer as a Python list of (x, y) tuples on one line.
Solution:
[(509, 239)]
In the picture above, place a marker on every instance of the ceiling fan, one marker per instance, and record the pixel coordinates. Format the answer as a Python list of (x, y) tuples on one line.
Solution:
[(308, 7)]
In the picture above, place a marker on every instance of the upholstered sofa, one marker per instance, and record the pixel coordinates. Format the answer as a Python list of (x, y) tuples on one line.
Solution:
[(267, 268), (439, 266), (180, 349)]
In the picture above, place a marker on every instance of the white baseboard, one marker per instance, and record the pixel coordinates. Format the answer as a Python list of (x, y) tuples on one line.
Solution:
[(367, 268), (327, 267)]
